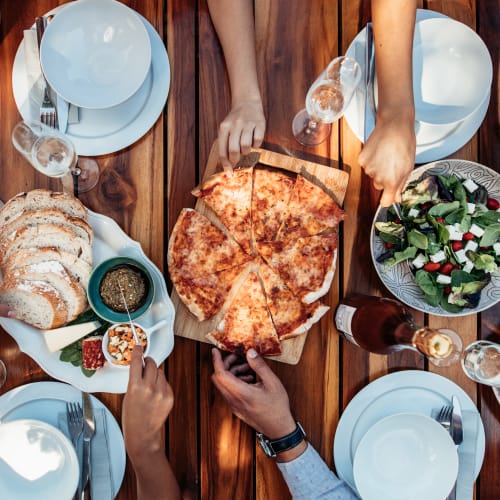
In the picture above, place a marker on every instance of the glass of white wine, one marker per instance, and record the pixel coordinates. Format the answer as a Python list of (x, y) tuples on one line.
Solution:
[(53, 154), (326, 101)]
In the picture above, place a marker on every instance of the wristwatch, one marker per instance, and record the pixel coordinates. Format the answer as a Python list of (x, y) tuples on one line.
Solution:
[(271, 447)]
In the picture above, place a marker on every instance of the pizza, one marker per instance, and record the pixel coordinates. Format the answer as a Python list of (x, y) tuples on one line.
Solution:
[(256, 273), (247, 323)]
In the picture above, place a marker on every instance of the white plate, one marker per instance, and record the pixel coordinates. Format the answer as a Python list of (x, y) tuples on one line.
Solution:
[(45, 400), (408, 391), (36, 461), (399, 280), (109, 241), (103, 131), (433, 141)]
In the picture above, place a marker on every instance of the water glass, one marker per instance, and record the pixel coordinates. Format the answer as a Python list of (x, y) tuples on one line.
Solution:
[(481, 362)]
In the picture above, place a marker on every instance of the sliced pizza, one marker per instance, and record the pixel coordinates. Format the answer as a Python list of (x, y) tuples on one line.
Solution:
[(247, 323), (306, 265), (310, 211), (205, 295), (229, 195), (291, 316), (270, 197), (197, 247)]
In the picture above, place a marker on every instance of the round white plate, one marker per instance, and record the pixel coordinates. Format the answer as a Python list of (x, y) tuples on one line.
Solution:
[(433, 141), (36, 461), (399, 280), (407, 391), (46, 400), (103, 131), (109, 241)]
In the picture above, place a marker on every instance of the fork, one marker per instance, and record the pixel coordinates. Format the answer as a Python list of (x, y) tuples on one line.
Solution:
[(74, 415), (48, 113), (444, 416)]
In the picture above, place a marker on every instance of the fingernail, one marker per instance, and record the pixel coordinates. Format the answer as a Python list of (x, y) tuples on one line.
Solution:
[(11, 314), (252, 353)]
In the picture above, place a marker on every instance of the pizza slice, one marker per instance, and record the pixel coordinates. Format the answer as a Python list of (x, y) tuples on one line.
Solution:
[(229, 195), (247, 323), (310, 211), (198, 248), (306, 265), (291, 317), (205, 295), (270, 197)]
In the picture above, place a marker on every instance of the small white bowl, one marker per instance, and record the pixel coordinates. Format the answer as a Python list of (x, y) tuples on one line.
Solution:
[(407, 456), (96, 53), (36, 461)]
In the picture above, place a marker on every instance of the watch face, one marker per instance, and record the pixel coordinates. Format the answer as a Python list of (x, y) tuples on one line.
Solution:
[(265, 445)]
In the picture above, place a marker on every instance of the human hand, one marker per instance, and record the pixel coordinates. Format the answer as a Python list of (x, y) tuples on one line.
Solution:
[(6, 311), (263, 405), (388, 157), (146, 405), (242, 129)]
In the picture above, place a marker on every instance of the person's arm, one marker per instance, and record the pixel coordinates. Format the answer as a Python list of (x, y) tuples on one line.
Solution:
[(264, 405), (146, 405), (389, 154), (245, 124)]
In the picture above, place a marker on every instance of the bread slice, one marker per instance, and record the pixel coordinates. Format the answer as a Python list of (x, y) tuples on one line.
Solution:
[(77, 267), (45, 235), (48, 216), (35, 302), (39, 199), (55, 274)]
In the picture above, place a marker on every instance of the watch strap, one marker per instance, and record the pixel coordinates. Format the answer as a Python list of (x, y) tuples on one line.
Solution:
[(272, 447)]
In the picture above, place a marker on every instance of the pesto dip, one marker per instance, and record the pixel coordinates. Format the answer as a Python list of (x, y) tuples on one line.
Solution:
[(133, 284)]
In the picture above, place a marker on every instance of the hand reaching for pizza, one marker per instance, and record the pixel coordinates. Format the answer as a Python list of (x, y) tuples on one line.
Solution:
[(242, 129), (263, 405)]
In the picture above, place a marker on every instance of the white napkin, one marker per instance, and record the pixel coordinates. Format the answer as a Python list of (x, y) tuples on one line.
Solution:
[(467, 455), (101, 481), (34, 74)]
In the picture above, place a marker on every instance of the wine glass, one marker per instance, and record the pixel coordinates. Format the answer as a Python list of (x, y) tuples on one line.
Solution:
[(326, 101), (53, 154), (3, 373)]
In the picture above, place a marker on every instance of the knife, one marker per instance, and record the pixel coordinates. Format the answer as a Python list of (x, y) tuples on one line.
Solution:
[(62, 107), (370, 111), (88, 433), (456, 421)]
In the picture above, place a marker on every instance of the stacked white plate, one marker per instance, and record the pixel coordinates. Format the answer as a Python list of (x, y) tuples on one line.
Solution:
[(452, 75), (113, 110)]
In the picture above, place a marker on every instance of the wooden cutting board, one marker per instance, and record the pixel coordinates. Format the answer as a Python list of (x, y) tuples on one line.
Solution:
[(332, 180)]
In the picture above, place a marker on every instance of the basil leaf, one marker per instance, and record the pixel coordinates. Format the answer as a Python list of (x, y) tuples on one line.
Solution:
[(443, 209), (490, 236), (418, 239), (426, 282)]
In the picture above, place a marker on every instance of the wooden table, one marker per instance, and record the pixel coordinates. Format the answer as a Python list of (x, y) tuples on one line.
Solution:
[(144, 187)]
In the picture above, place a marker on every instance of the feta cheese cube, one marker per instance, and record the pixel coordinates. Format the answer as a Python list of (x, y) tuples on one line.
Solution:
[(413, 212), (476, 230), (471, 245), (471, 207), (438, 256), (455, 234), (468, 267), (470, 185), (496, 247), (443, 279), (461, 257), (425, 225), (419, 261)]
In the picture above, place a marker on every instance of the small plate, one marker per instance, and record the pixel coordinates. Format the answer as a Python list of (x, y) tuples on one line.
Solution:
[(399, 280)]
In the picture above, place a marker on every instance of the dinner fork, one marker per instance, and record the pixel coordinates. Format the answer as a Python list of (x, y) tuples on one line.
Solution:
[(74, 415), (444, 416)]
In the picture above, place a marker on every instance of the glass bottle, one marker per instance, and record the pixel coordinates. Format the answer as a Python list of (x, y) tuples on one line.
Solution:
[(383, 326)]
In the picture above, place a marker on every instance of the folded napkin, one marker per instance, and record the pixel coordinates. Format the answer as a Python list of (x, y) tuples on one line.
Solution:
[(101, 481), (34, 75), (467, 455)]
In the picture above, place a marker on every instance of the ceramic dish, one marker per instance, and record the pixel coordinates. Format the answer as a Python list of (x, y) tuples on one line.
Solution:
[(109, 241), (36, 461), (399, 279), (406, 456), (102, 131), (100, 273), (95, 53)]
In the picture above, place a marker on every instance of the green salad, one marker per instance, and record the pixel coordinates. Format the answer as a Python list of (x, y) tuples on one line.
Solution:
[(450, 236)]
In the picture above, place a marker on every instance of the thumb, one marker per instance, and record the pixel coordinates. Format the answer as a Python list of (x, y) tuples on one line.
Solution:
[(388, 197), (259, 366)]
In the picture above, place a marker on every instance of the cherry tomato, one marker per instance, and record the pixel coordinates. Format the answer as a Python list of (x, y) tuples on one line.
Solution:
[(397, 220), (447, 290), (440, 219), (388, 244), (468, 236), (446, 268), (492, 204), (432, 266), (456, 245)]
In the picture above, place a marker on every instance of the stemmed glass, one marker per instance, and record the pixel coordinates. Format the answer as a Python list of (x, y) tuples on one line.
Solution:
[(3, 373), (326, 101), (53, 154)]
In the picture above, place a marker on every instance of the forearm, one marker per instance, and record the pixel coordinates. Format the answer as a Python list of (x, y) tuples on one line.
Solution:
[(393, 27), (234, 23)]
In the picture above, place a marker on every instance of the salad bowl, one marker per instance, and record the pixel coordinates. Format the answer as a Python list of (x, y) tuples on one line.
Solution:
[(401, 271)]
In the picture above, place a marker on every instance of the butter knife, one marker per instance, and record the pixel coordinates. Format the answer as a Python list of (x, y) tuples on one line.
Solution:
[(88, 433), (456, 421), (62, 107), (370, 111)]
